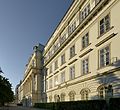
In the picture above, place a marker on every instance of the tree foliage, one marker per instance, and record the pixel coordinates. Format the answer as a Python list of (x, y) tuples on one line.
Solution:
[(6, 93)]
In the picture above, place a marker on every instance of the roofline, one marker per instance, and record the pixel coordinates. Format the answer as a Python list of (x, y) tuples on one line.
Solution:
[(59, 22)]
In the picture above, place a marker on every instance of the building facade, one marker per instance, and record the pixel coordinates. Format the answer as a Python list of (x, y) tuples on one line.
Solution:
[(30, 89), (82, 57)]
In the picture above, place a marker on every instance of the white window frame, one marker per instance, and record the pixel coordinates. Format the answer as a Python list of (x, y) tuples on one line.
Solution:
[(104, 24), (72, 72), (72, 51), (63, 77), (104, 56), (85, 66), (85, 40)]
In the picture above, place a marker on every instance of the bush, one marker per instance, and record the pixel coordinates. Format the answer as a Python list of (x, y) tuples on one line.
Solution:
[(114, 104), (74, 105)]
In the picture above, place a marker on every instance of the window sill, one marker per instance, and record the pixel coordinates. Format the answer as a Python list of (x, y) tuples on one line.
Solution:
[(85, 47), (72, 57), (86, 52), (63, 63), (84, 74), (105, 32), (103, 66)]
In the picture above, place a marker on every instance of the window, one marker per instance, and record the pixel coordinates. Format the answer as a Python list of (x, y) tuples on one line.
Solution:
[(46, 85), (50, 69), (62, 59), (33, 63), (72, 27), (105, 91), (35, 82), (72, 72), (50, 83), (97, 1), (62, 96), (56, 80), (105, 24), (56, 98), (50, 98), (62, 38), (104, 56), (85, 12), (63, 77), (85, 66), (72, 51), (56, 46), (101, 92), (85, 40), (72, 96), (56, 64), (85, 94)]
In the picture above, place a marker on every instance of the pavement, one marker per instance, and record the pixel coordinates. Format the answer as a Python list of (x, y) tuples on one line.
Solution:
[(18, 108)]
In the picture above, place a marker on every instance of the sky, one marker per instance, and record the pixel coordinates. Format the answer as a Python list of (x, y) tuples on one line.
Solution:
[(23, 24)]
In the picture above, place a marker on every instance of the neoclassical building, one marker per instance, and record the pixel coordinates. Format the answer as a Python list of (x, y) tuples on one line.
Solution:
[(82, 57), (31, 88)]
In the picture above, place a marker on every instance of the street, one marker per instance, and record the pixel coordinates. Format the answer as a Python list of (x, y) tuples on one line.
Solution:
[(18, 108)]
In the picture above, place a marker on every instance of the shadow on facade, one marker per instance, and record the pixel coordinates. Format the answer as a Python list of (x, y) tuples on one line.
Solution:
[(109, 82)]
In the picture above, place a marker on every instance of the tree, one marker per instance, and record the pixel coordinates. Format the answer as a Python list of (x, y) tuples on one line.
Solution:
[(6, 93)]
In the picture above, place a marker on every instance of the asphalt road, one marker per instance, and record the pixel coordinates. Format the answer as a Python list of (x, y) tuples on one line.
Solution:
[(18, 108)]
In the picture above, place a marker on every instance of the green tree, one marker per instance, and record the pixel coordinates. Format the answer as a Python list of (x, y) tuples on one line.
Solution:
[(6, 93)]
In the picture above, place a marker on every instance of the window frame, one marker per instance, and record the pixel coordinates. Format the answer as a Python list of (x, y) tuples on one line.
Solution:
[(72, 72), (99, 56), (56, 64), (63, 59), (72, 51), (104, 24), (62, 78), (86, 42), (84, 72), (56, 80)]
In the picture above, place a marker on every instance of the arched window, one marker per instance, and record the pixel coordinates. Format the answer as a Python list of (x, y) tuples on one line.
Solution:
[(101, 91), (62, 96), (105, 91), (50, 98), (72, 96), (56, 98), (85, 94)]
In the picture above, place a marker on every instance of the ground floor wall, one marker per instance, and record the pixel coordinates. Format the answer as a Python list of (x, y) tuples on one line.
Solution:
[(104, 85)]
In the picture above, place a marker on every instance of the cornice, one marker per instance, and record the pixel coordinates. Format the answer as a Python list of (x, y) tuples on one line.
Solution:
[(81, 25)]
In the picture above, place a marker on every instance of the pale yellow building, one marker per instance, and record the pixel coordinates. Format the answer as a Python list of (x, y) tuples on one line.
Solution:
[(31, 88), (82, 57)]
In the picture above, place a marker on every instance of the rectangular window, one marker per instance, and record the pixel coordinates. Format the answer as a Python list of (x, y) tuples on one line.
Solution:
[(104, 56), (63, 77), (85, 40), (85, 12), (46, 85), (72, 27), (62, 59), (104, 24), (72, 51), (50, 83), (56, 80), (50, 69), (62, 38), (85, 66), (72, 72), (56, 64)]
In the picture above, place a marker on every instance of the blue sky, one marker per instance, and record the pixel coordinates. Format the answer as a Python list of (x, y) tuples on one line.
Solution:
[(23, 24)]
